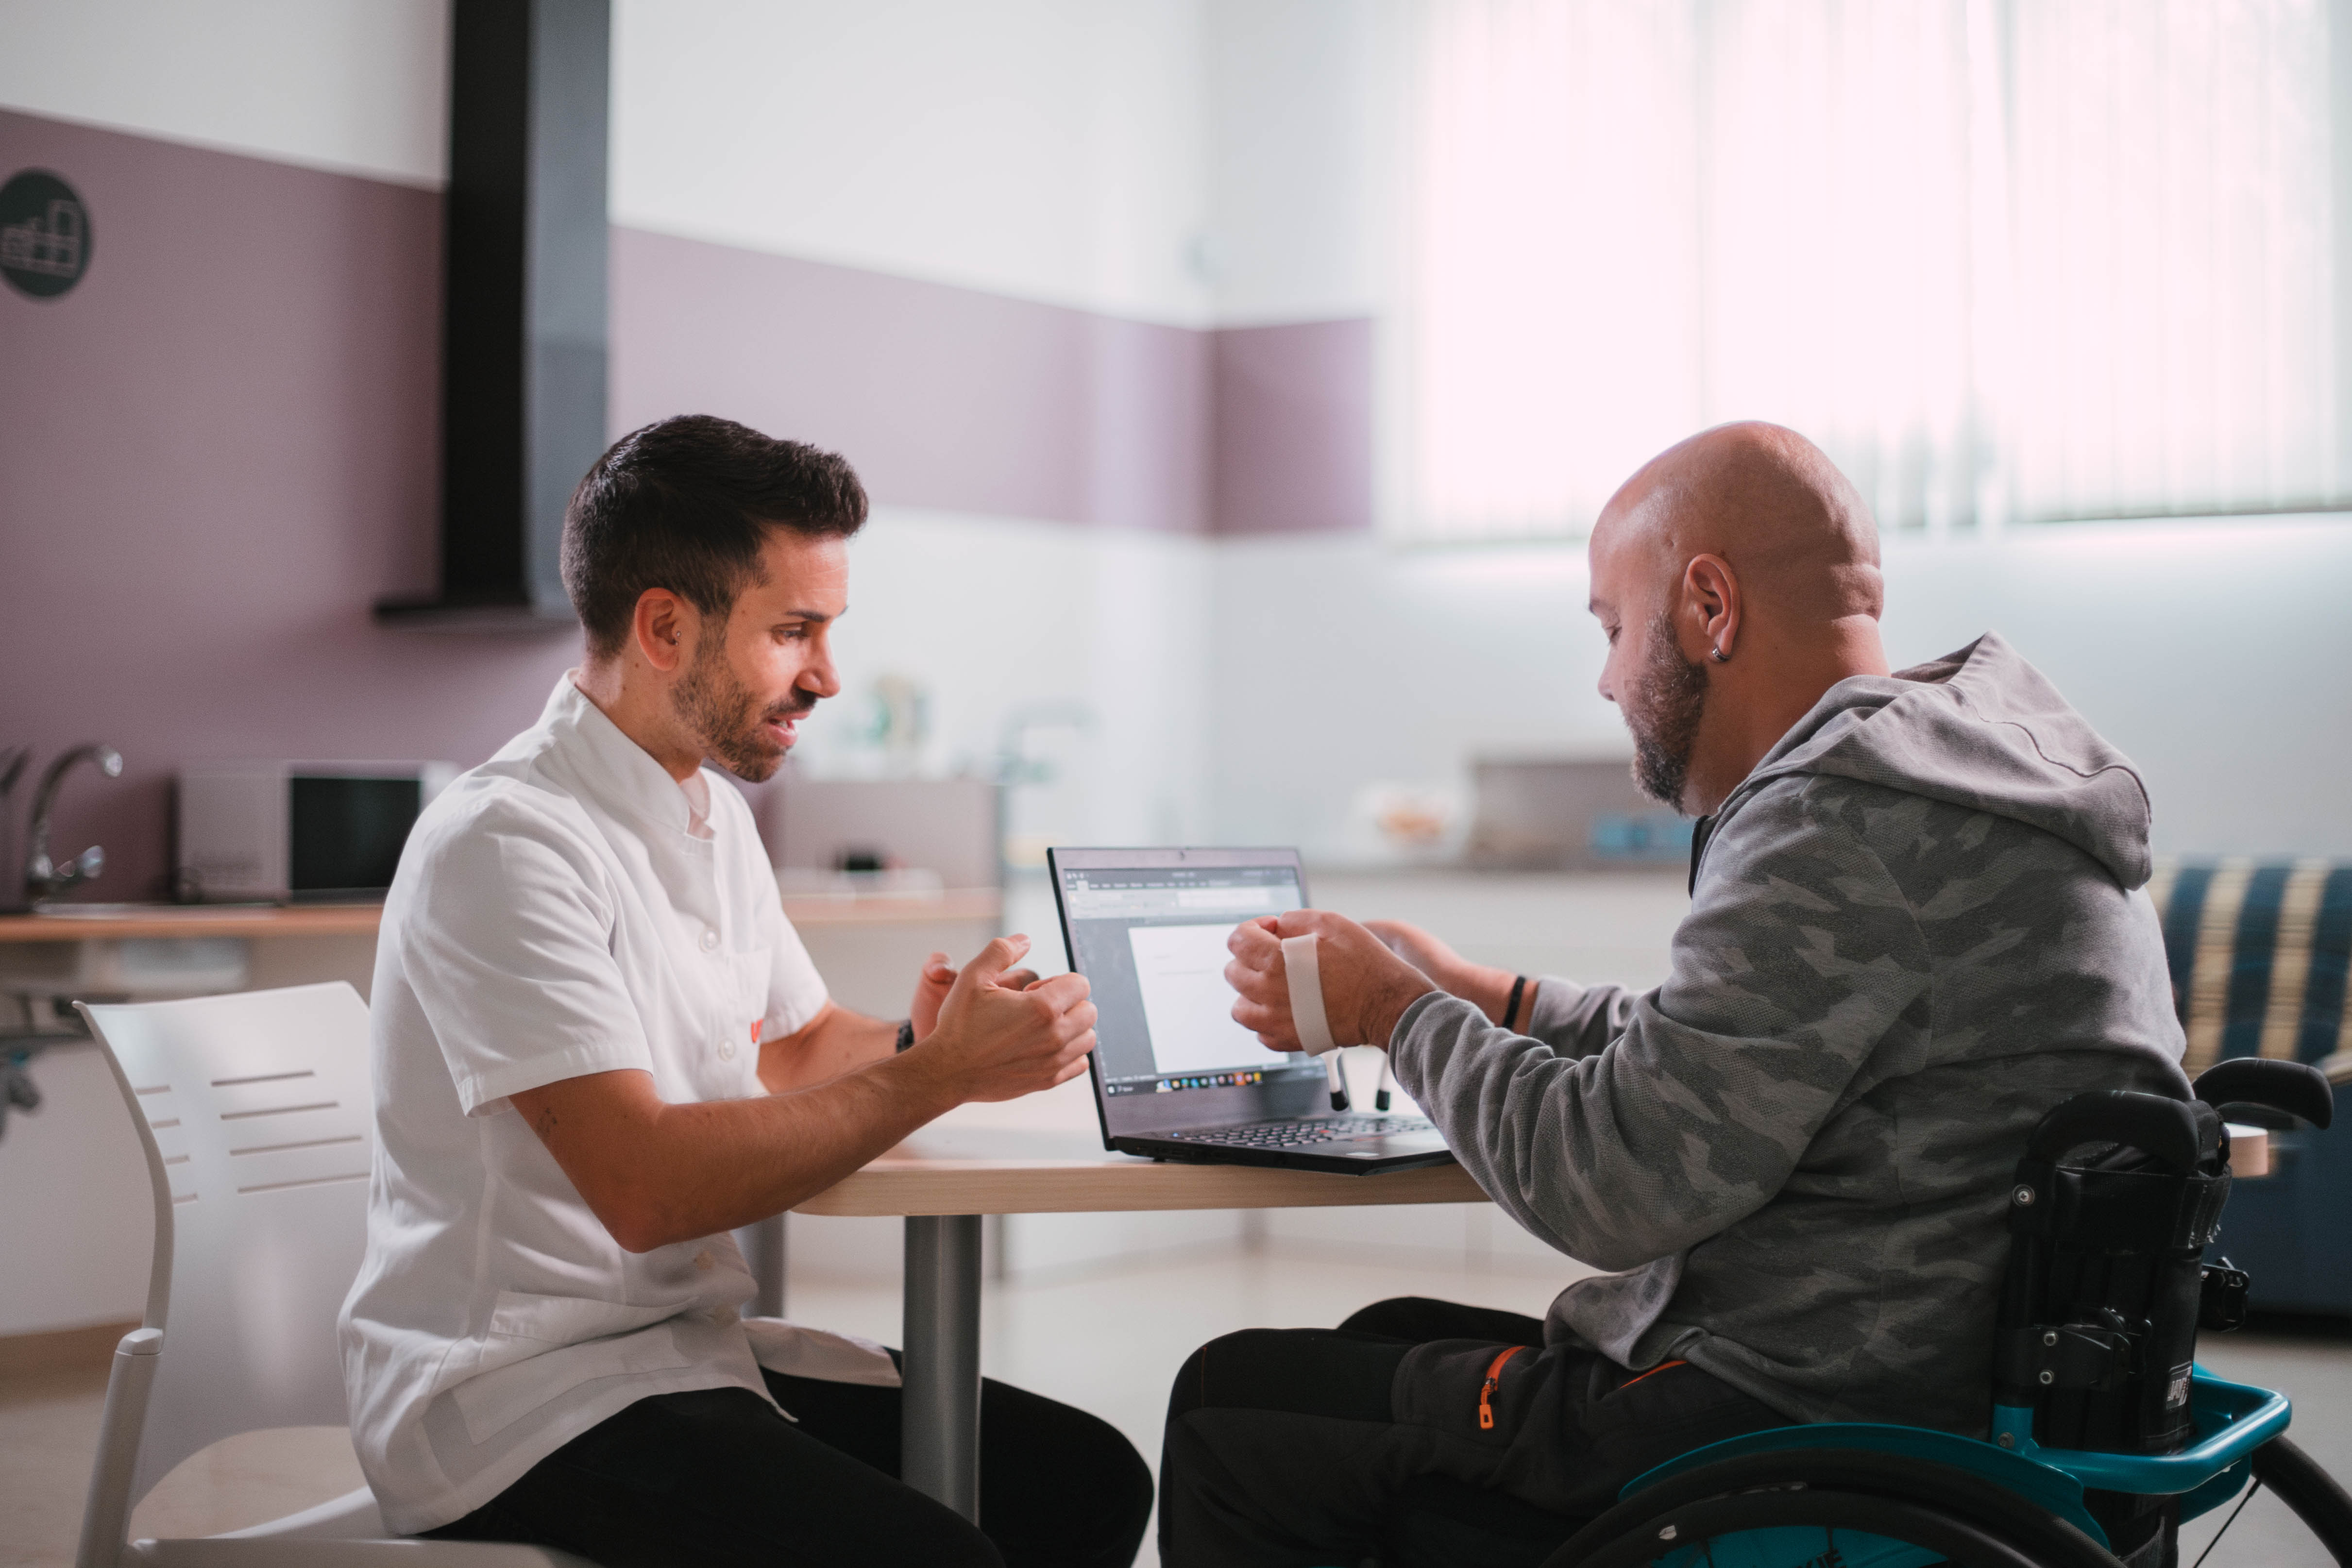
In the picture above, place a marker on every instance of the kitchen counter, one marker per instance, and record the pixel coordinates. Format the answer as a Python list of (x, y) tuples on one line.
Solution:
[(174, 920), (129, 920)]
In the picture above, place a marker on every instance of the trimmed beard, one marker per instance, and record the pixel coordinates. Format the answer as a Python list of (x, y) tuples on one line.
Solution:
[(1670, 697), (726, 716)]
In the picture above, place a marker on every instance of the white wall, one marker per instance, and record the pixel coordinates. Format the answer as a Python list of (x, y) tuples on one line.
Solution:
[(1300, 106), (995, 615), (1044, 149), (2206, 651), (1341, 663), (357, 86), (80, 1234)]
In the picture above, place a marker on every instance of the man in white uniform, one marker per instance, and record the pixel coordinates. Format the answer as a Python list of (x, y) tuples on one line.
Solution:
[(599, 1047)]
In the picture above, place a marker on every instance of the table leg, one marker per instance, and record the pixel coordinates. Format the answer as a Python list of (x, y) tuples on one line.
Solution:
[(763, 1247), (938, 1445)]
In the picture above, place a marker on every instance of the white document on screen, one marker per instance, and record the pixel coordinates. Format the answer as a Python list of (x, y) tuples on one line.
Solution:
[(1187, 1005)]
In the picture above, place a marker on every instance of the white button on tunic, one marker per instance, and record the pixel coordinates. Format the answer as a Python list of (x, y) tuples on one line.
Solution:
[(564, 909)]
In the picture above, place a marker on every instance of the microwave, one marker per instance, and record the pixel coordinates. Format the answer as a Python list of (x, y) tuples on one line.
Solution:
[(291, 831)]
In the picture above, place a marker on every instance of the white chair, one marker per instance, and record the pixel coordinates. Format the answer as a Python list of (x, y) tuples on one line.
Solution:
[(255, 1113)]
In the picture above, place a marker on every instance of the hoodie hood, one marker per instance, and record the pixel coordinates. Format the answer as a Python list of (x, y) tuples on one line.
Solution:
[(1980, 729)]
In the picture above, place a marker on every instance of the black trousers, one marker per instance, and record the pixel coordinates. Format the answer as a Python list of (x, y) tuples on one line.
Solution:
[(1407, 1435), (717, 1479)]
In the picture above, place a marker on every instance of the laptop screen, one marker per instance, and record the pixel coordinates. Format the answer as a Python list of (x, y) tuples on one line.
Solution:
[(1148, 929)]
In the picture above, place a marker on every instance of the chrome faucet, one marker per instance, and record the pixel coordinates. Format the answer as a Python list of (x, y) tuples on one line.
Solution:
[(44, 878)]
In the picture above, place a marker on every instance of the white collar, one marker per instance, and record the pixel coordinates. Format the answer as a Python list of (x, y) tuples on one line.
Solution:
[(697, 790), (629, 777)]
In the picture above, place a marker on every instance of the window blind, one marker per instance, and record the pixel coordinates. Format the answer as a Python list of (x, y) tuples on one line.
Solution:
[(2034, 260)]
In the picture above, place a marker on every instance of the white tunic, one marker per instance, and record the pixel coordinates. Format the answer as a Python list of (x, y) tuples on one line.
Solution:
[(562, 909)]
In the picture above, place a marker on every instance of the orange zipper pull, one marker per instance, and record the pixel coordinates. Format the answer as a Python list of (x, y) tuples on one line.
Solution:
[(1486, 1389)]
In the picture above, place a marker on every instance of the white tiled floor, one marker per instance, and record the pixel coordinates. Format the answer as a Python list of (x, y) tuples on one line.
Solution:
[(1109, 1342)]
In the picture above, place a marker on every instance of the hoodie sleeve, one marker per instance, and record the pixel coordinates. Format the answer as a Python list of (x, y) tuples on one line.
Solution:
[(1577, 1020), (1799, 958)]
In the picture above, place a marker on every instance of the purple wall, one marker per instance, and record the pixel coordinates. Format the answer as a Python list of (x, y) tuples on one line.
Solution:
[(215, 452), (1292, 428), (219, 450), (968, 402), (943, 397)]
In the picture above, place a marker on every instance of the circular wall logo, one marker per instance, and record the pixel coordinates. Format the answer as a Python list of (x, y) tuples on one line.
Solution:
[(44, 234)]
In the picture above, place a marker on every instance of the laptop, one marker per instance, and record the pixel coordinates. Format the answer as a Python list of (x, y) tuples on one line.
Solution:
[(1175, 1077)]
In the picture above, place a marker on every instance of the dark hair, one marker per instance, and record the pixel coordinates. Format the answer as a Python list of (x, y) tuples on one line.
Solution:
[(686, 504)]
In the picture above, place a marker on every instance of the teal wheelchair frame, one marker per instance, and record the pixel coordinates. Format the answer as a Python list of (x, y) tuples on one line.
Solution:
[(2233, 1421), (2106, 1287)]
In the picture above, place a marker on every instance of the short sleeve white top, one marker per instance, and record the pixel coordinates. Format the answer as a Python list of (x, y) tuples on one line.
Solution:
[(564, 909)]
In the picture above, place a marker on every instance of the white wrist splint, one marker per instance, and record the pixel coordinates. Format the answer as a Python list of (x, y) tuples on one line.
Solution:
[(1314, 1026)]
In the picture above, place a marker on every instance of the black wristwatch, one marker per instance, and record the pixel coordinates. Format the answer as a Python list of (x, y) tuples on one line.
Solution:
[(906, 1033)]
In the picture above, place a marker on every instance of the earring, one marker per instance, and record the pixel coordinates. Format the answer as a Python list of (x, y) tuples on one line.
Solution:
[(1720, 657)]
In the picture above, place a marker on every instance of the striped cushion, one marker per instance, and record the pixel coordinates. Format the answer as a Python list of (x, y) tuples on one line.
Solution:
[(2259, 951)]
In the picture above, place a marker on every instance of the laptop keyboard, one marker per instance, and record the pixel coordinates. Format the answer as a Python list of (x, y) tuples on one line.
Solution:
[(1294, 1134)]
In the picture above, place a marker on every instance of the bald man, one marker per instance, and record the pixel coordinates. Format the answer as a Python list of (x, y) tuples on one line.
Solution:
[(1916, 925)]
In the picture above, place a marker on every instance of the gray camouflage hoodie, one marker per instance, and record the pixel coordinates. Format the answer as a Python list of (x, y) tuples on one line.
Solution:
[(1914, 928)]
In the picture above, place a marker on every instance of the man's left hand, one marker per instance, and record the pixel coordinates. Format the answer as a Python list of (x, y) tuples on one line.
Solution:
[(1366, 988)]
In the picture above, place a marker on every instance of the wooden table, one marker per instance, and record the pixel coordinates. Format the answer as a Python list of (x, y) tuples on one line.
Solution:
[(945, 1178)]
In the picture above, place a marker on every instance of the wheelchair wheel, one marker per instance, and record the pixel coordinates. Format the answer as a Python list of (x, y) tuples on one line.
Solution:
[(2323, 1506), (1799, 1508)]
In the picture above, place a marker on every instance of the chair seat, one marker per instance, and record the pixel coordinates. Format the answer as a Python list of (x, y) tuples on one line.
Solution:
[(351, 1517), (345, 1532)]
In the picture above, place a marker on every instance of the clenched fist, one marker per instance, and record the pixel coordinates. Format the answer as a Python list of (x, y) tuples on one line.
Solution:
[(1366, 988)]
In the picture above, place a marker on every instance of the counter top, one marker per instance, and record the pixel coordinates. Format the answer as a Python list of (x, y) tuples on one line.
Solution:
[(195, 920), (362, 919)]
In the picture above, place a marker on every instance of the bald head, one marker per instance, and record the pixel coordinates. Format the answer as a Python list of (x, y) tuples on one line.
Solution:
[(1737, 579), (1771, 503)]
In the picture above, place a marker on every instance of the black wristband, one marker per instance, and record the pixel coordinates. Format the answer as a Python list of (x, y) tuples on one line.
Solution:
[(1511, 1008), (906, 1033)]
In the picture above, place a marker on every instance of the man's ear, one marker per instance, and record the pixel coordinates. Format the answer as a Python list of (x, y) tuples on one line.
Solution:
[(664, 629), (1711, 596)]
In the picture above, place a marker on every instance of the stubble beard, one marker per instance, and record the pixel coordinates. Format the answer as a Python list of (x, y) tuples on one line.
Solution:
[(727, 718), (1670, 698)]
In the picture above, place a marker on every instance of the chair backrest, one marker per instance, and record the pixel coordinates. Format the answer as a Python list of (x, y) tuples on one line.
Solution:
[(2114, 1205), (2117, 1199), (255, 1113)]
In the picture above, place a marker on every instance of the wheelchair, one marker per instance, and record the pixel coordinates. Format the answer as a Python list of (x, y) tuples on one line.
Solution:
[(2106, 1436)]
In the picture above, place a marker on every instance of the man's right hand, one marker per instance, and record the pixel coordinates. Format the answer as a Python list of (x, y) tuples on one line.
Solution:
[(1002, 1035)]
